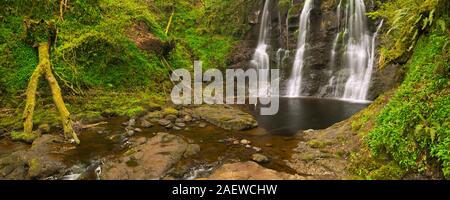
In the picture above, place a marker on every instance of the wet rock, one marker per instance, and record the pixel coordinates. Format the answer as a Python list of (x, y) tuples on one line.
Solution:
[(187, 118), (324, 153), (249, 171), (171, 117), (202, 125), (309, 131), (176, 128), (150, 160), (130, 133), (164, 122), (182, 125), (236, 142), (192, 150), (248, 146), (179, 120), (140, 141), (257, 149), (42, 160), (244, 141), (138, 130), (146, 124), (226, 117), (169, 126), (260, 158), (268, 145), (131, 122), (154, 115), (384, 79)]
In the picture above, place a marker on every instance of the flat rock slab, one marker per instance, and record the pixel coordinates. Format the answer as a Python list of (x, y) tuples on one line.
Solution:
[(43, 159), (226, 117), (149, 159), (249, 171), (325, 154)]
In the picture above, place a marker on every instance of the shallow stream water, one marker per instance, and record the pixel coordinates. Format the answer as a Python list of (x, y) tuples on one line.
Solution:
[(277, 136)]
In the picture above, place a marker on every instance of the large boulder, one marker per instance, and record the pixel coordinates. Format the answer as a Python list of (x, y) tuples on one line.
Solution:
[(324, 154), (249, 171), (149, 159), (226, 117), (43, 159)]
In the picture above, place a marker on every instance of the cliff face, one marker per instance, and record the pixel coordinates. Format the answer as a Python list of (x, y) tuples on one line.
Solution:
[(319, 66)]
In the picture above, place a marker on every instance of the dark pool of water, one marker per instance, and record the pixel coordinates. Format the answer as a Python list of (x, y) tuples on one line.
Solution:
[(305, 113)]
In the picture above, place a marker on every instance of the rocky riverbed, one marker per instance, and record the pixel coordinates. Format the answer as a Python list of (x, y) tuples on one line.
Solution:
[(205, 142)]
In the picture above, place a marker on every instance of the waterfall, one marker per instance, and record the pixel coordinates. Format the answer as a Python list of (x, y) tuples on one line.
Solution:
[(295, 81), (360, 52), (261, 57), (336, 39)]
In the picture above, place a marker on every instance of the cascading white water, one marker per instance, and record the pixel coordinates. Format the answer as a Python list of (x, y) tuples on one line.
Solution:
[(261, 57), (295, 81), (360, 52), (336, 39)]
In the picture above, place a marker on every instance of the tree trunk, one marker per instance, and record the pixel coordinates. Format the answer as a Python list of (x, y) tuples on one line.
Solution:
[(45, 67), (31, 96)]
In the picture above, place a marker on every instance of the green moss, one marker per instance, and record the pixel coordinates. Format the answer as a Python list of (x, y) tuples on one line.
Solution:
[(390, 171), (170, 111), (284, 4), (132, 162), (295, 9), (407, 19), (23, 137), (33, 164), (318, 144), (90, 107)]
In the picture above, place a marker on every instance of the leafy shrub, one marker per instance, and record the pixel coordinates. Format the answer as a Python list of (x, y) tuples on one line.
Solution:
[(406, 19), (414, 127)]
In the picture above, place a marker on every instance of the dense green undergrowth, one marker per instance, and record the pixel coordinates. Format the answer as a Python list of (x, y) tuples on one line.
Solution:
[(414, 126), (406, 21), (93, 49)]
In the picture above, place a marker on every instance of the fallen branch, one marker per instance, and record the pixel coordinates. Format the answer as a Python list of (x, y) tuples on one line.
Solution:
[(88, 126), (170, 22)]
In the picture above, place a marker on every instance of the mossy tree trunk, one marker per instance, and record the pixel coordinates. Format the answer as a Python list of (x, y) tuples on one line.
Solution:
[(44, 67)]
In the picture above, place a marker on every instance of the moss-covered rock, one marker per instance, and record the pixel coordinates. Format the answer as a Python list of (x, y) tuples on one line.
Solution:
[(24, 137), (226, 117)]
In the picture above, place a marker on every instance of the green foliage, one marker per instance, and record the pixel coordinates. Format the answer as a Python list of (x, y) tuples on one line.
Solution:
[(414, 127), (406, 20), (200, 32), (17, 59), (36, 9), (93, 49), (284, 4)]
